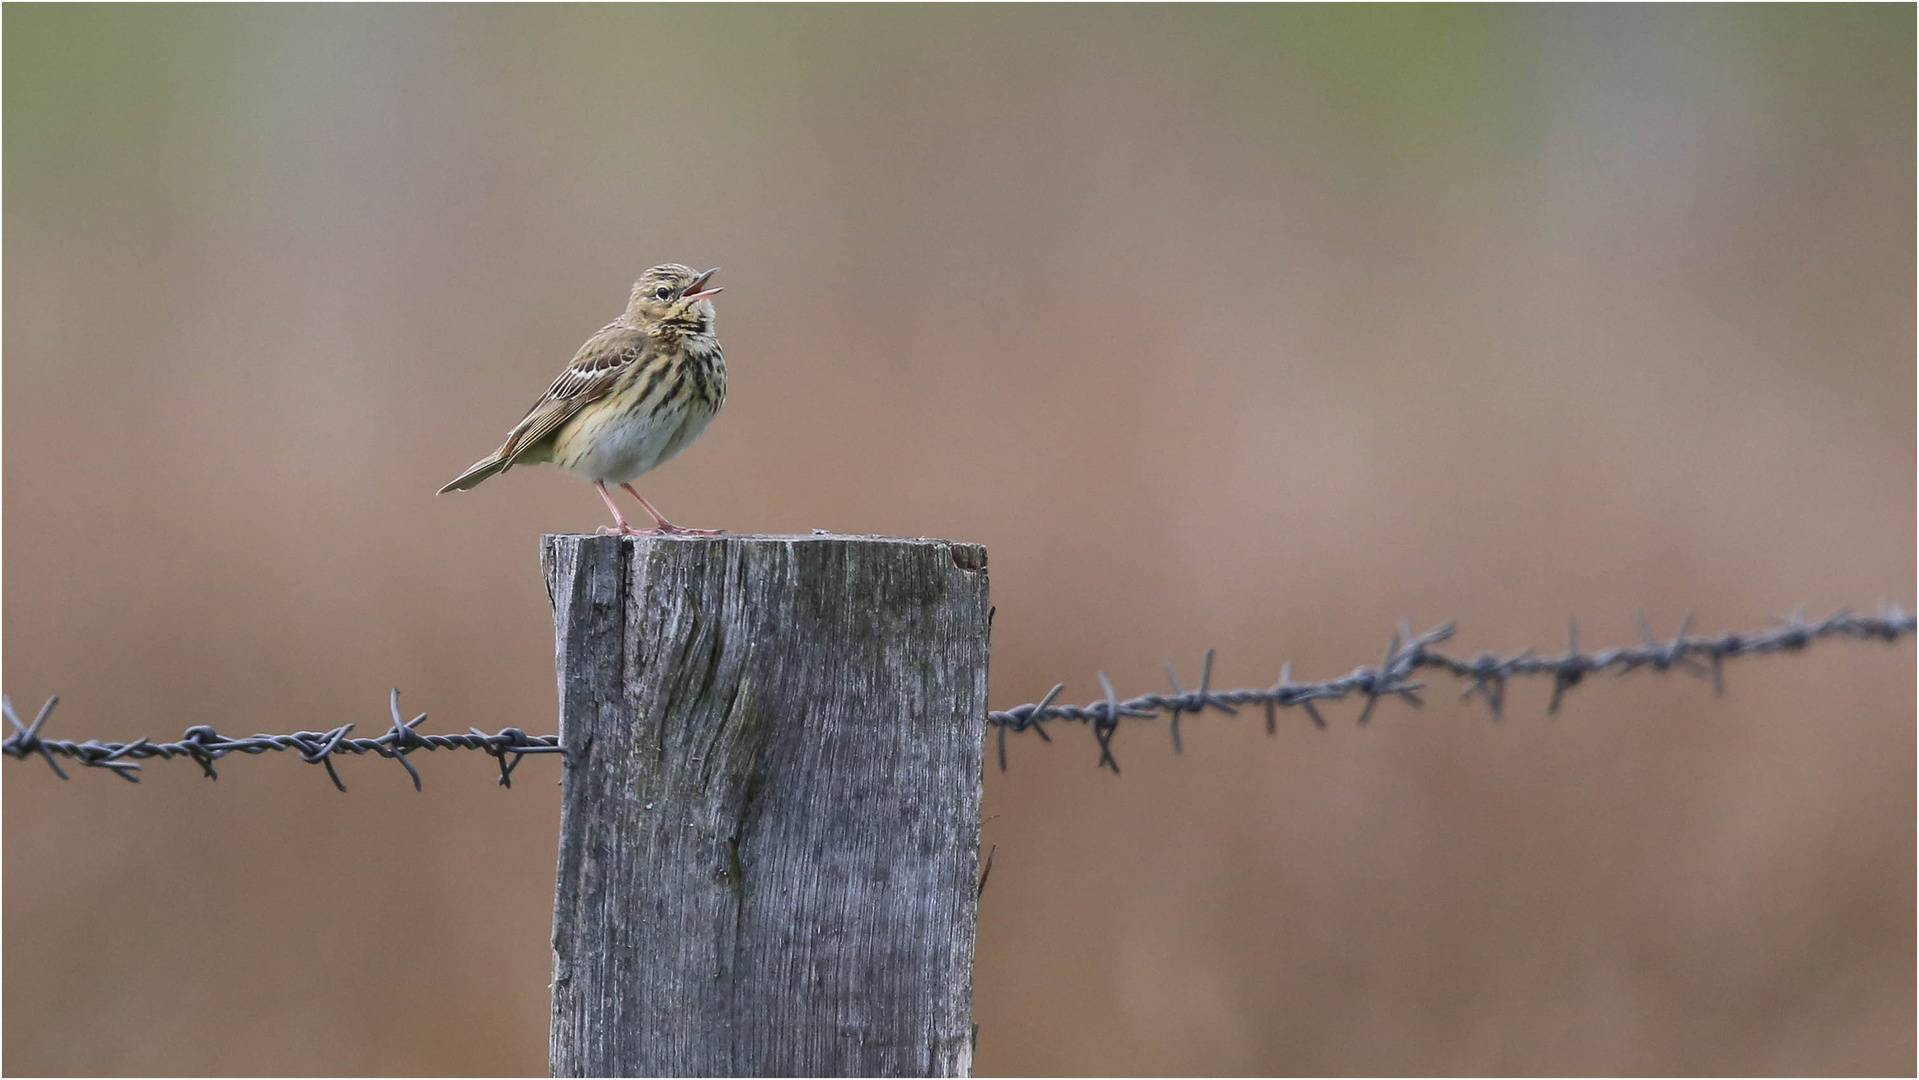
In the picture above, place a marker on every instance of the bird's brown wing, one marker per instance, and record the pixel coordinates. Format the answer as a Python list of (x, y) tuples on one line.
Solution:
[(591, 376)]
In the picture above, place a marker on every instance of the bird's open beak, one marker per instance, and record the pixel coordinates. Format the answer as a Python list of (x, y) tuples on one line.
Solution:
[(694, 291)]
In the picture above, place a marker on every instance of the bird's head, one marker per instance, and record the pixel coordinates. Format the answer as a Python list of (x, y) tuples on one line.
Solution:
[(674, 297)]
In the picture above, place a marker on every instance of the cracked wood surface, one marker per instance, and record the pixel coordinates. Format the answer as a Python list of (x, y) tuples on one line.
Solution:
[(769, 833)]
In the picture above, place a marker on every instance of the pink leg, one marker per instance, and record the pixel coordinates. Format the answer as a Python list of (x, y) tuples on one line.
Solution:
[(665, 526), (624, 529)]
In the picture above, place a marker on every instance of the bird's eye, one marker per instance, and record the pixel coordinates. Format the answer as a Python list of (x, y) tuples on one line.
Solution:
[(662, 292)]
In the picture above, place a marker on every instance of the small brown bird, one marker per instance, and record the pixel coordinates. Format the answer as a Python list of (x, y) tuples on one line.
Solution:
[(635, 394)]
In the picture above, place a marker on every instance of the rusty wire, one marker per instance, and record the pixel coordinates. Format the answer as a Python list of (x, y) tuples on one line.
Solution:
[(1486, 675), (206, 746)]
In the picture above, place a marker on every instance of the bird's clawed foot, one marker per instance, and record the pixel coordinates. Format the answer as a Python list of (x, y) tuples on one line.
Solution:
[(667, 528)]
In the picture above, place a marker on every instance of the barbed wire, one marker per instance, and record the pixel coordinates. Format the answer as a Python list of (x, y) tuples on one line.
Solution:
[(1406, 653), (1486, 676), (206, 746)]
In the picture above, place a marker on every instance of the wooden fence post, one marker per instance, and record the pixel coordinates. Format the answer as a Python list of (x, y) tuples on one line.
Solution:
[(769, 833)]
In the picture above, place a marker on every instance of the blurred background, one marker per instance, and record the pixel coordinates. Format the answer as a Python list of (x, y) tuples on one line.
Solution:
[(1252, 328)]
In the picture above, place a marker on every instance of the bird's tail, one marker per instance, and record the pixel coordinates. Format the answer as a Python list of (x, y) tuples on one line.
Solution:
[(481, 469)]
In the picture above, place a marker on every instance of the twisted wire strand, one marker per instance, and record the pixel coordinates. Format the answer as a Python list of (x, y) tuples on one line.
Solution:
[(205, 746), (1486, 675)]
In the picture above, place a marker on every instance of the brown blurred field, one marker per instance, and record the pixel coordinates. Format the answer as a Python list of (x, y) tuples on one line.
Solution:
[(1238, 327)]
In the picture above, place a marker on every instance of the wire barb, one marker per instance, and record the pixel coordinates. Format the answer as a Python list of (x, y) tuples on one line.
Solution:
[(1486, 675), (205, 746)]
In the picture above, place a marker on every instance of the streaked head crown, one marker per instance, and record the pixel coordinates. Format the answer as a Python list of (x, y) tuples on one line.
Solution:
[(674, 295)]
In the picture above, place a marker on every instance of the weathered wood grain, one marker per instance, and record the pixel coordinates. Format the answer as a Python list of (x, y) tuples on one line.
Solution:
[(769, 837)]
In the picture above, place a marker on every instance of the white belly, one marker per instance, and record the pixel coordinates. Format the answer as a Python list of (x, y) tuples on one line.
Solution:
[(606, 446)]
